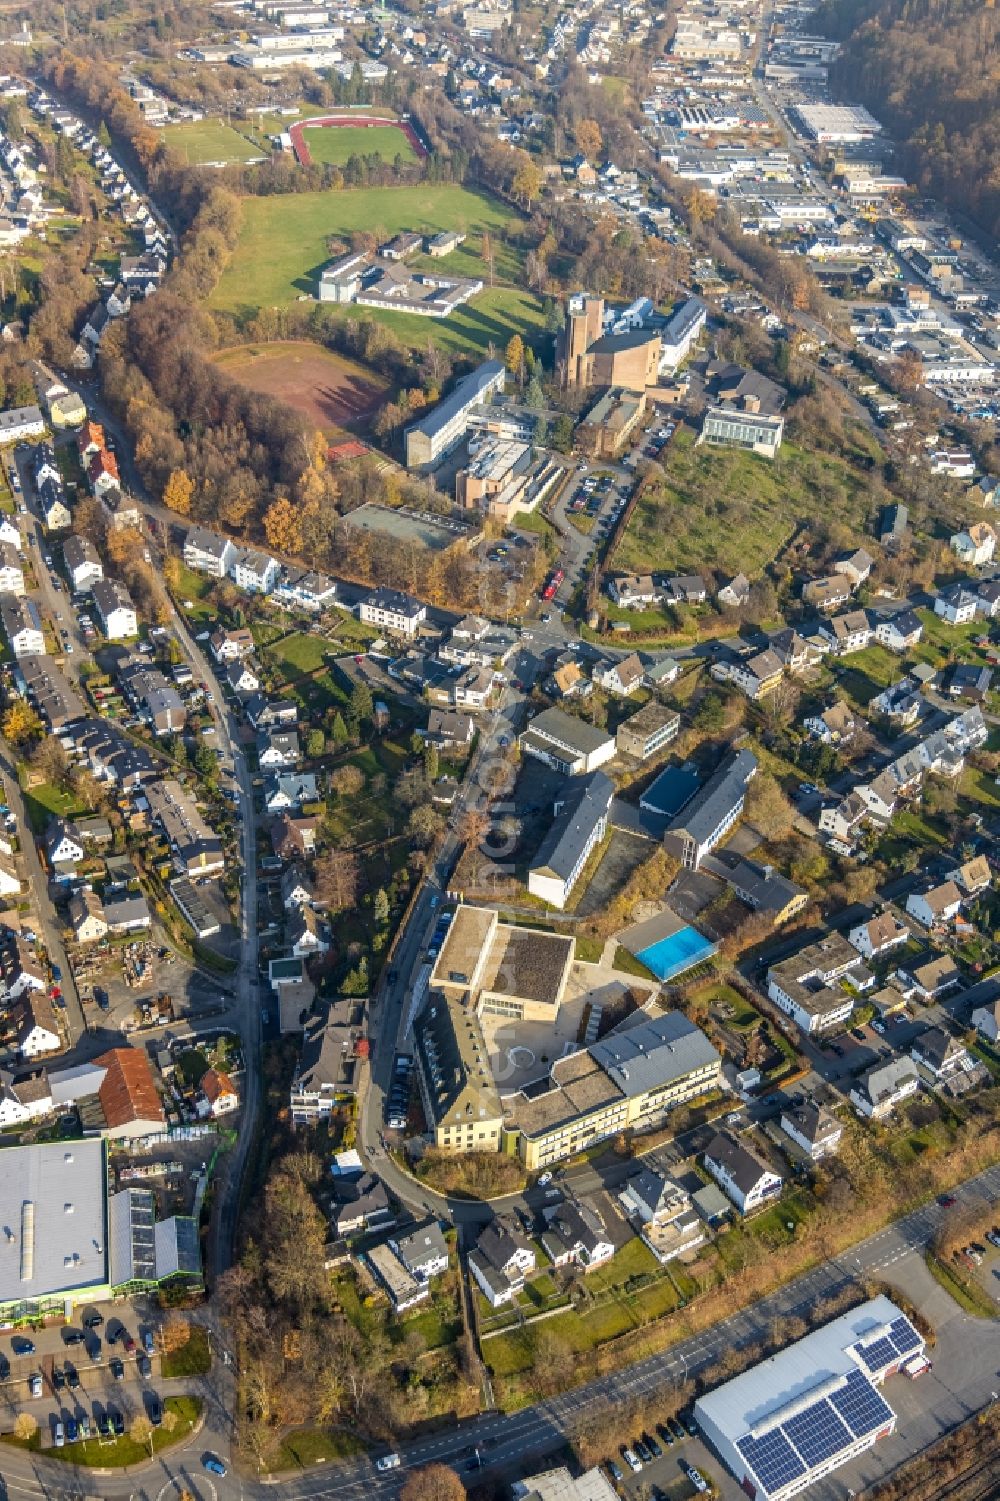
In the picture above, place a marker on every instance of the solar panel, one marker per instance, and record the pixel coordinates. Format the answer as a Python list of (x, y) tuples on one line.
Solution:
[(818, 1433), (772, 1459), (863, 1408), (904, 1336), (879, 1354)]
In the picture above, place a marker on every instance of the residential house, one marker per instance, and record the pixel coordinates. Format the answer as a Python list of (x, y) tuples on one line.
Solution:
[(663, 1213), (278, 749), (52, 505), (255, 572), (220, 1093), (968, 681), (62, 844), (207, 552), (502, 1258), (735, 594), (473, 688), (741, 1174), (988, 594), (575, 1234), (293, 838), (241, 676), (301, 589), (362, 1204), (196, 849), (11, 570), (446, 728), (89, 440), (856, 566), (115, 609), (44, 466), (973, 876), (128, 913), (10, 882), (793, 651), (986, 1020), (900, 632), (761, 887), (756, 673), (632, 591), (939, 904), (957, 605), (686, 589), (568, 679), (83, 564), (938, 1055), (899, 702), (423, 1252), (878, 935), (392, 611), (232, 645), (102, 473), (289, 789), (848, 633), (36, 1030), (881, 1089), (622, 678), (976, 545), (306, 933), (86, 916), (566, 744), (24, 1098), (296, 889), (835, 726), (813, 1129), (829, 593), (928, 976), (22, 625)]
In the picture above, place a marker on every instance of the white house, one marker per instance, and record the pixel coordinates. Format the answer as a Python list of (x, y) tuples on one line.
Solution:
[(500, 1262), (813, 1129), (11, 571), (255, 572), (83, 564), (35, 1026), (22, 625), (938, 1055), (10, 883), (278, 749), (877, 1093), (741, 1174), (956, 605), (622, 678), (241, 676), (938, 905), (878, 935), (900, 632), (207, 552), (976, 545), (986, 1020), (115, 609), (392, 611)]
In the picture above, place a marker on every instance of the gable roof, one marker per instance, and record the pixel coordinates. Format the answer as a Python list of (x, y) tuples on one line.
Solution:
[(127, 1092)]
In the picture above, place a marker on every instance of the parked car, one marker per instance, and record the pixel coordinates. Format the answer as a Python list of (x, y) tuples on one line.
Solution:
[(58, 1434), (35, 1385), (154, 1409), (71, 1430), (118, 1369), (696, 1478), (117, 1421), (215, 1466), (72, 1378), (643, 1451), (21, 1345), (615, 1471), (631, 1459)]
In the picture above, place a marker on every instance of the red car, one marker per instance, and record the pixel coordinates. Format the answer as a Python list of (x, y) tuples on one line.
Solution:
[(128, 1342), (946, 1201)]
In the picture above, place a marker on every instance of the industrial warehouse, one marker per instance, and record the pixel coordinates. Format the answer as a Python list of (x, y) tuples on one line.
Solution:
[(813, 1407)]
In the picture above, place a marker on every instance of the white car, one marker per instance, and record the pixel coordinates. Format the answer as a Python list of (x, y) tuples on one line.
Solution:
[(632, 1460), (387, 1462), (35, 1385), (697, 1479)]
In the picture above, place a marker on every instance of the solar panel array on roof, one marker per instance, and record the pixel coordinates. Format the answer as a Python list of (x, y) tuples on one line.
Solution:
[(894, 1341), (850, 1409)]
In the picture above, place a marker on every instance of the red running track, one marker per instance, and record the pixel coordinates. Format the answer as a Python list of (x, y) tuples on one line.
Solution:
[(303, 155)]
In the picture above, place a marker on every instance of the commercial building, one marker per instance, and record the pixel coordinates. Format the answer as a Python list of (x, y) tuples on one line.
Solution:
[(559, 1485), (54, 1205), (606, 429), (713, 810), (632, 1078), (460, 1099), (807, 984), (565, 743), (735, 427), (499, 968), (836, 123), (683, 328), (648, 731), (580, 822), (380, 281), (433, 436), (812, 1408)]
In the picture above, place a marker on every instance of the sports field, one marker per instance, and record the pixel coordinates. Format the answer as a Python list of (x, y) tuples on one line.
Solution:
[(336, 143), (332, 392), (284, 247), (205, 142)]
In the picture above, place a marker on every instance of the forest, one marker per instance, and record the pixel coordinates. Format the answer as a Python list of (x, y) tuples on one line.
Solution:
[(930, 71)]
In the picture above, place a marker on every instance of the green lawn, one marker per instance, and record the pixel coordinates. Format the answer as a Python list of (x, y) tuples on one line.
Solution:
[(47, 800), (284, 246), (733, 510), (192, 1359), (336, 144), (209, 141), (313, 1446), (297, 654), (116, 1453)]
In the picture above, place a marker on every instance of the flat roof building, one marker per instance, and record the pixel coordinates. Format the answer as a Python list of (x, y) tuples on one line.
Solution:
[(567, 744), (812, 1408), (711, 813), (433, 436), (54, 1207)]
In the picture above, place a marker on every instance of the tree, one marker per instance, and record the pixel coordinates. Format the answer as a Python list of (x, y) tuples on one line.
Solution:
[(431, 761), (140, 1431), (282, 527), (336, 880), (527, 182), (423, 824), (178, 492), (176, 1331), (338, 729), (347, 781), (562, 433), (380, 907), (433, 1483), (514, 356), (361, 701), (20, 723), (25, 1426), (588, 138), (315, 744)]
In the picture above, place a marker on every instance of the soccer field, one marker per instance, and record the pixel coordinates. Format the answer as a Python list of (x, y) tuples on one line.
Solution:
[(336, 143), (284, 246), (202, 142)]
